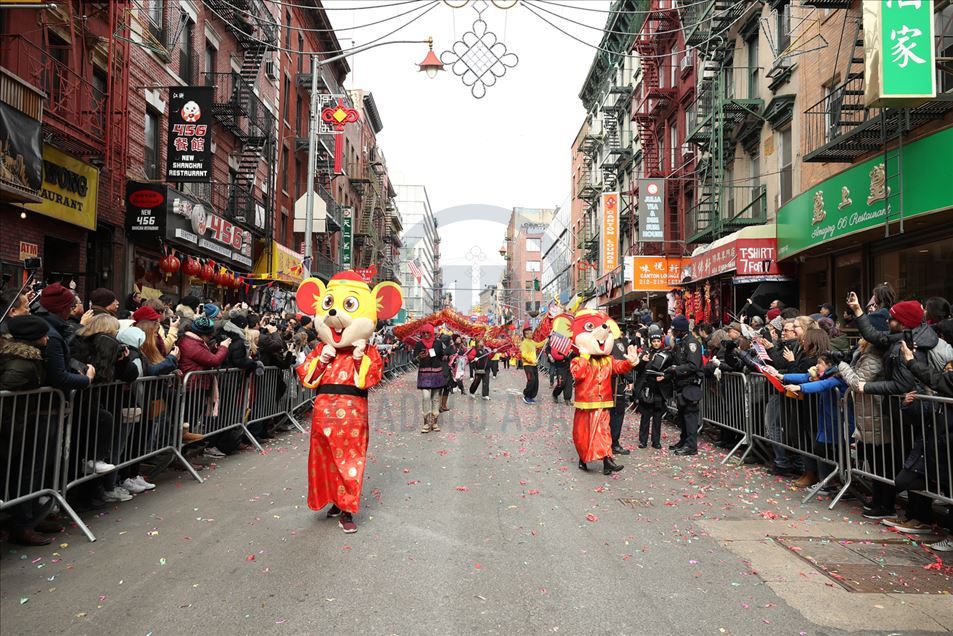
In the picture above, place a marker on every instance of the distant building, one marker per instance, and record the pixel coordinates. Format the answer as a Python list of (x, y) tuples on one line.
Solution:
[(420, 247), (524, 260)]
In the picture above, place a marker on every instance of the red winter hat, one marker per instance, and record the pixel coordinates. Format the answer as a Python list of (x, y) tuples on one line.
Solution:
[(909, 313), (146, 313), (56, 299), (773, 313)]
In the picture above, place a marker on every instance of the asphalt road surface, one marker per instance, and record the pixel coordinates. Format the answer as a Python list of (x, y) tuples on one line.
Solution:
[(485, 527)]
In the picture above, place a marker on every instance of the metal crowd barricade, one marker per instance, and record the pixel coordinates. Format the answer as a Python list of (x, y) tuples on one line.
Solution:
[(122, 424), (298, 396), (33, 433), (216, 401), (726, 403), (268, 397), (893, 432)]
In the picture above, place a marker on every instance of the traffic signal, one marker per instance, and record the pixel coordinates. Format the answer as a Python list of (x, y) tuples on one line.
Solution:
[(536, 284)]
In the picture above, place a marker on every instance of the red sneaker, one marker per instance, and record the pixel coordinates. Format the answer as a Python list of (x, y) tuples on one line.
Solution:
[(346, 523)]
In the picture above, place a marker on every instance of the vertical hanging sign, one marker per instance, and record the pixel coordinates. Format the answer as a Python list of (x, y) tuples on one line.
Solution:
[(610, 231), (899, 53), (347, 237), (651, 217), (189, 155)]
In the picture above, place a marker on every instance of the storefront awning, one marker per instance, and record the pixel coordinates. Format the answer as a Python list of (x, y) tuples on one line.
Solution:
[(751, 251), (279, 263)]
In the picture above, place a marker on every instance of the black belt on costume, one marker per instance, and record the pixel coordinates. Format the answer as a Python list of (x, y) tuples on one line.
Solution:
[(341, 389)]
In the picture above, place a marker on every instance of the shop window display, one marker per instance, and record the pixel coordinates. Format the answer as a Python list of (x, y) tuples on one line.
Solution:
[(913, 270)]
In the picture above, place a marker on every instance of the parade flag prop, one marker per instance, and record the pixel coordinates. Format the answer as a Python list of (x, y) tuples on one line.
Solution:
[(559, 344)]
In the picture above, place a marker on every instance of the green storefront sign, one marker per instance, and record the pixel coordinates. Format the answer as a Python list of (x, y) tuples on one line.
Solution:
[(899, 52), (869, 194), (347, 237)]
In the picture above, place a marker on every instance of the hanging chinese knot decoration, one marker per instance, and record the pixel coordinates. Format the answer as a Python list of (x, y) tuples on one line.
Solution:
[(479, 58), (336, 117)]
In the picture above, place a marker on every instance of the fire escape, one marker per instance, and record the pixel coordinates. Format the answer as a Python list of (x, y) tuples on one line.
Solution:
[(79, 117), (722, 117), (240, 111), (589, 185), (840, 129)]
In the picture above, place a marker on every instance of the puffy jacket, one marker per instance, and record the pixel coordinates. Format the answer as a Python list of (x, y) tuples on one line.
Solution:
[(273, 352), (21, 366), (103, 351), (941, 382), (59, 373), (868, 415), (238, 356), (898, 379), (828, 389), (195, 355)]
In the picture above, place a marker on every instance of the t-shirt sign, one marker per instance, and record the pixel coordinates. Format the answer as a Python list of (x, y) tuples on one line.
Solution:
[(189, 155)]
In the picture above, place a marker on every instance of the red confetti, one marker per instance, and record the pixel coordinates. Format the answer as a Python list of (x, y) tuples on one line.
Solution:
[(591, 517), (463, 489), (250, 557)]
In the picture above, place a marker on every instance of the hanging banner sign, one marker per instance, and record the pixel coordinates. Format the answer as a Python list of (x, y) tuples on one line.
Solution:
[(651, 213), (20, 160), (610, 231), (189, 155), (899, 53), (347, 237)]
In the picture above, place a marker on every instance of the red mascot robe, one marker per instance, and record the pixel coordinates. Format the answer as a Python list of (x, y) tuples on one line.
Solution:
[(594, 400), (339, 429)]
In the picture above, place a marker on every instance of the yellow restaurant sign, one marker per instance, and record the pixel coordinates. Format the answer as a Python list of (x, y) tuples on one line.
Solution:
[(284, 264), (70, 189)]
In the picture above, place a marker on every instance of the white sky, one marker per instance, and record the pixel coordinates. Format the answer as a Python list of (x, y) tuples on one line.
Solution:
[(511, 148)]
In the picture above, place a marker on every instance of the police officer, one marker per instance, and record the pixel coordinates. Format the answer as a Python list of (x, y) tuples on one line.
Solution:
[(686, 374), (620, 386), (651, 388)]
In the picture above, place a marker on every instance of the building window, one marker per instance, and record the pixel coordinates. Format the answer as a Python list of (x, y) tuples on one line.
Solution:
[(787, 167), (153, 128), (284, 169), (783, 17), (186, 54), (529, 285), (209, 62), (299, 178), (752, 44), (156, 19), (287, 98), (833, 100), (673, 71), (288, 29), (944, 47), (534, 245), (533, 266), (673, 145), (299, 117), (99, 97)]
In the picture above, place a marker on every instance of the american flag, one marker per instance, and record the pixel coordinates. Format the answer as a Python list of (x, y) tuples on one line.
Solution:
[(559, 344), (414, 266), (761, 351)]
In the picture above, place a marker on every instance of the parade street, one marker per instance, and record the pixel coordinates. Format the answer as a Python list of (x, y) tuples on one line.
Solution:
[(485, 527)]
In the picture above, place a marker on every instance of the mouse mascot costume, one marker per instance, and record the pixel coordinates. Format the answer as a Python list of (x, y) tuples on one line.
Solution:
[(593, 335), (345, 313)]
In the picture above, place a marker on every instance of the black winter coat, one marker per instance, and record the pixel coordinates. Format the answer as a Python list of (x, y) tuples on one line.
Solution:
[(898, 378), (21, 366), (103, 351), (59, 374)]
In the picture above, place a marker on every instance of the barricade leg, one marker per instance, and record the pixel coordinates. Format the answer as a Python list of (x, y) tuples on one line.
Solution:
[(65, 507)]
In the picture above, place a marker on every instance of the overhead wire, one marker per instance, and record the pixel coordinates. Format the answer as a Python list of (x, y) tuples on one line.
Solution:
[(281, 26), (433, 5), (681, 5), (526, 4), (298, 5), (603, 30)]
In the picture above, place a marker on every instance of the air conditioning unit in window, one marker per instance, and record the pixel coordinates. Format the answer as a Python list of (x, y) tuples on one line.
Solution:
[(271, 69)]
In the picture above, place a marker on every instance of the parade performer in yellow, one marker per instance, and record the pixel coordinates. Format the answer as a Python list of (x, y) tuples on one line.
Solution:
[(345, 313)]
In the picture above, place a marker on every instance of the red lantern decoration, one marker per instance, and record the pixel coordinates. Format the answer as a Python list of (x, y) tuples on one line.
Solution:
[(169, 265), (222, 279), (208, 273), (191, 267)]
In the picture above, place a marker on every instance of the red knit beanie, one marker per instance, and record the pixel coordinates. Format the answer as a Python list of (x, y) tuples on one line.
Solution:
[(56, 299), (909, 313), (146, 313), (773, 313)]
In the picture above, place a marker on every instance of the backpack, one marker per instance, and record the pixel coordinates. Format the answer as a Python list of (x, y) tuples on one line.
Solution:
[(940, 355)]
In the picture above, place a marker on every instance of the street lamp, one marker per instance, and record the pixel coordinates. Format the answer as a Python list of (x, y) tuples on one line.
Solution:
[(430, 66)]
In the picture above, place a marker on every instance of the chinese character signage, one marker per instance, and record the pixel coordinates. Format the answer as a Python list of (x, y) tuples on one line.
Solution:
[(347, 237), (868, 195), (651, 210), (899, 55), (156, 213), (610, 231), (655, 273), (189, 155)]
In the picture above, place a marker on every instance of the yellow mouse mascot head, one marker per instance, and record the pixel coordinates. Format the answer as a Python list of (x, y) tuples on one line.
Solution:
[(346, 311)]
